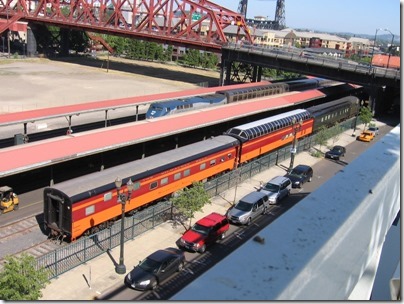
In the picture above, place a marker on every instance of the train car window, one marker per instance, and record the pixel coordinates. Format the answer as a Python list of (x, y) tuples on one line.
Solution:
[(229, 156), (213, 162), (107, 196), (262, 130), (202, 166), (90, 210), (187, 172), (164, 181), (177, 176), (153, 185), (136, 186)]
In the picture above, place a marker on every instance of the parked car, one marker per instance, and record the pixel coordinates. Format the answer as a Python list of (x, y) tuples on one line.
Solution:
[(248, 208), (204, 232), (366, 136), (277, 188), (299, 175), (374, 130), (336, 152), (155, 268)]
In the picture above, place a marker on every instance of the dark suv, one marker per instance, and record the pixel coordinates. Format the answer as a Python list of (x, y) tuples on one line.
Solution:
[(299, 175), (204, 232)]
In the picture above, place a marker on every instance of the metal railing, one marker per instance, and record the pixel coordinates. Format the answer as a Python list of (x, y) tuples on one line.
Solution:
[(86, 248)]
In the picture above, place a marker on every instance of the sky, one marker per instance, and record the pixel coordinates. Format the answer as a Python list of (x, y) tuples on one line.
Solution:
[(354, 16)]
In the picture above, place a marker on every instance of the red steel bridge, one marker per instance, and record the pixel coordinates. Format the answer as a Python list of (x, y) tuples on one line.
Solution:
[(198, 24)]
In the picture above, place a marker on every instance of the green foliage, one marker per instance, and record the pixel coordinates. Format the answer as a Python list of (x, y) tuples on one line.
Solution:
[(192, 58), (365, 115), (335, 132), (188, 201), (278, 74), (20, 280), (322, 136)]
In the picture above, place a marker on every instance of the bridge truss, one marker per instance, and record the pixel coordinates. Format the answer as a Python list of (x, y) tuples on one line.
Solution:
[(196, 24)]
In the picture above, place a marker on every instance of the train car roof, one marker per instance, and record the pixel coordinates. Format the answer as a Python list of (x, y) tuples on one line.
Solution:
[(297, 113), (138, 169), (192, 99), (267, 125), (341, 102), (44, 153)]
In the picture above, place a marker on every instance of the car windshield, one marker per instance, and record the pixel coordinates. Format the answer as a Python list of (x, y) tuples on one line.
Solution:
[(336, 149), (243, 206), (271, 187), (149, 265), (201, 229), (296, 172)]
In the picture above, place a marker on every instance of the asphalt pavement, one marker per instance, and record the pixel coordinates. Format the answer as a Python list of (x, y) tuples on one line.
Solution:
[(97, 277)]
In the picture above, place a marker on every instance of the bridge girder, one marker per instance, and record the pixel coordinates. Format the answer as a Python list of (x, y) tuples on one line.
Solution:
[(194, 23)]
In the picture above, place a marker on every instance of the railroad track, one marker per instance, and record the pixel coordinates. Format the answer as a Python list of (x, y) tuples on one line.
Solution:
[(25, 236)]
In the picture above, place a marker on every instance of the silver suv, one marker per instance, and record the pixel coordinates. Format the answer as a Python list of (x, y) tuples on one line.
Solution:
[(277, 188), (248, 208)]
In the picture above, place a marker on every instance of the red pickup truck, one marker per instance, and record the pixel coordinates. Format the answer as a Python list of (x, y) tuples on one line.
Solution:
[(204, 232)]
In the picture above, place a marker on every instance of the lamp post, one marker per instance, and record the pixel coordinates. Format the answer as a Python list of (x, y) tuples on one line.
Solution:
[(391, 46), (296, 125), (373, 49), (122, 199)]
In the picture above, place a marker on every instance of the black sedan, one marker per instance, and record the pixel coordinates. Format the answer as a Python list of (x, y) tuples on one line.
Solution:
[(336, 152), (155, 268), (299, 175)]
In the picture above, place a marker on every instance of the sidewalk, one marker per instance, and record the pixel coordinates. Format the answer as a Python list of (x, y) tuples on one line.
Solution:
[(98, 277)]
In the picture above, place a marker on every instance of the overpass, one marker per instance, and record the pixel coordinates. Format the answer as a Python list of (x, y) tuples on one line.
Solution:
[(244, 62), (292, 59)]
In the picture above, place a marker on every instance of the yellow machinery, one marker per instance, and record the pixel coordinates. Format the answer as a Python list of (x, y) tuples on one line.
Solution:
[(8, 200)]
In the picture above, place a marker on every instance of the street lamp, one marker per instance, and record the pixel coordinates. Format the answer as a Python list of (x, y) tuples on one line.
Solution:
[(391, 46), (296, 125), (122, 199), (373, 49)]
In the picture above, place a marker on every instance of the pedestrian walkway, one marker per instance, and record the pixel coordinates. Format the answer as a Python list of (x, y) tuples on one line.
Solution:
[(97, 277)]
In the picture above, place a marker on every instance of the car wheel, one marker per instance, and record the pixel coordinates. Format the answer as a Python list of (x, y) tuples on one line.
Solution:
[(180, 267), (249, 221), (16, 207), (153, 285), (311, 177), (203, 249)]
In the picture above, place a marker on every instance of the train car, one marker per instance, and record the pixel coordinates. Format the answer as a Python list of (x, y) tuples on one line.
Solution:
[(260, 137), (86, 204), (175, 106), (329, 113), (235, 95), (170, 107)]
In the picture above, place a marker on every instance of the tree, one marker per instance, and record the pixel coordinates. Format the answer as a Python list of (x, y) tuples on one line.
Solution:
[(322, 136), (190, 200), (335, 132), (365, 115), (20, 280)]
